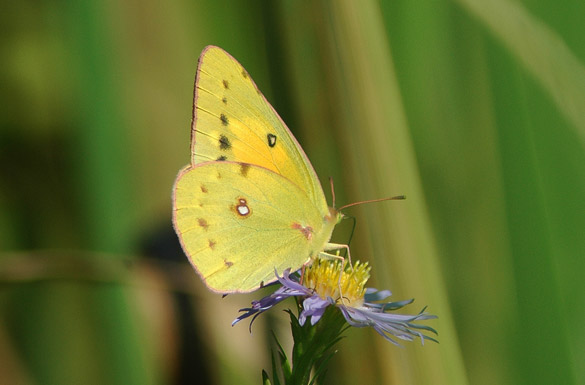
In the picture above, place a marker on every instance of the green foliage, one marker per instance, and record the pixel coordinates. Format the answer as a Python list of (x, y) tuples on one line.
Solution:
[(312, 350), (472, 109)]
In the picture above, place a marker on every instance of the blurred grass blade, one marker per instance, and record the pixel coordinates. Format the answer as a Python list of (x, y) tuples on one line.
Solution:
[(541, 51), (383, 163)]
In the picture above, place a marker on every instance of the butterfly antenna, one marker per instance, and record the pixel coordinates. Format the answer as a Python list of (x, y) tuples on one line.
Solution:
[(332, 191), (398, 197)]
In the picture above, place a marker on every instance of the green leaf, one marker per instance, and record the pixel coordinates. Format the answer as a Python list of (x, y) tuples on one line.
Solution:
[(266, 378)]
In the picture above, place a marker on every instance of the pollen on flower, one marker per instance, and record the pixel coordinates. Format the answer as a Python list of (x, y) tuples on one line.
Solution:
[(323, 277)]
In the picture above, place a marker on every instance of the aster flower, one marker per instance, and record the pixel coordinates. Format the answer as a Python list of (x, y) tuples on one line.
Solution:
[(323, 288)]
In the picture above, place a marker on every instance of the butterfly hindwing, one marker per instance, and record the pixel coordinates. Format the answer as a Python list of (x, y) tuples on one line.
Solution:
[(239, 222)]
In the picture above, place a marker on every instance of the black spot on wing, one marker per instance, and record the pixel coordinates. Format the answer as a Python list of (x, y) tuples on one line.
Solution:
[(226, 85), (203, 223), (224, 142), (224, 100), (221, 158), (244, 168), (224, 119), (244, 74), (271, 140)]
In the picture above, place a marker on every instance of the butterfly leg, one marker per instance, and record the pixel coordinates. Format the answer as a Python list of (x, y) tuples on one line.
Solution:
[(336, 246), (303, 272)]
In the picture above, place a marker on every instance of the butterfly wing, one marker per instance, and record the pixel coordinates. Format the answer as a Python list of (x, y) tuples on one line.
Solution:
[(239, 222), (233, 121)]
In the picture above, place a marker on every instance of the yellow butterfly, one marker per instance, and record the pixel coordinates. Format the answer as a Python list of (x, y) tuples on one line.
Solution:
[(250, 203)]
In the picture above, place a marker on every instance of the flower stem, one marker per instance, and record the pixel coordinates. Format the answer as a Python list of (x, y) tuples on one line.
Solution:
[(311, 351)]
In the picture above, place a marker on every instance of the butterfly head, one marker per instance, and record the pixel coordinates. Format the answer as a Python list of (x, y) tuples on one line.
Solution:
[(334, 216)]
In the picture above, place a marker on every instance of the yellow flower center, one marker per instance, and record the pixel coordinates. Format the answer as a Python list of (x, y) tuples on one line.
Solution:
[(323, 277)]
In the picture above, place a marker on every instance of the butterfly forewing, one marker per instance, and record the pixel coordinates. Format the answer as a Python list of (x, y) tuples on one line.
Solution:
[(232, 121)]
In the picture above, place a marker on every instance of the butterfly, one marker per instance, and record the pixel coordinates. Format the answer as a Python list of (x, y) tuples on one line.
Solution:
[(249, 204)]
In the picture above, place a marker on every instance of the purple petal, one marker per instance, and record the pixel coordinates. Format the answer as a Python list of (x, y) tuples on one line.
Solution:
[(289, 288), (373, 295), (314, 307), (387, 325)]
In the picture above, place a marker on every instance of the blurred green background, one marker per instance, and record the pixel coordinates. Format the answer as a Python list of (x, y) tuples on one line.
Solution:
[(475, 110)]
